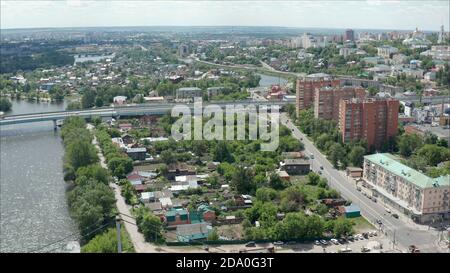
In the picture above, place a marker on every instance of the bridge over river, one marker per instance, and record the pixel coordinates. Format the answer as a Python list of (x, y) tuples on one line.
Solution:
[(118, 111)]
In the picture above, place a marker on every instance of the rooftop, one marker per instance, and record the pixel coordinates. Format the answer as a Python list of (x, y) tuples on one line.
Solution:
[(388, 162)]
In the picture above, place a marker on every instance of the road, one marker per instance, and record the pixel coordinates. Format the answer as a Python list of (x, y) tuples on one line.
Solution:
[(403, 231), (266, 68)]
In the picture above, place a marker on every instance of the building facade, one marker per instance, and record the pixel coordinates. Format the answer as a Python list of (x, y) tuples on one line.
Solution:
[(374, 120), (306, 87), (326, 100), (188, 93), (421, 197), (349, 35)]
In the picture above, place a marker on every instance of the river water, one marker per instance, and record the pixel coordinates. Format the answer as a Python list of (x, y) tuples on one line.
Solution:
[(267, 80), (33, 205)]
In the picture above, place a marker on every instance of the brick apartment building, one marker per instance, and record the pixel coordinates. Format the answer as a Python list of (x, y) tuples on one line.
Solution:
[(421, 197), (306, 87), (375, 120), (327, 99)]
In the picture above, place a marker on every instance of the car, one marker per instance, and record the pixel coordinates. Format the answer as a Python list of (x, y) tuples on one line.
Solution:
[(319, 172), (374, 200), (350, 238), (301, 138), (365, 235), (388, 210), (345, 250), (321, 167), (379, 222), (334, 241), (395, 215), (365, 249), (250, 244), (278, 243), (358, 189), (324, 242), (342, 240), (368, 196), (292, 129), (317, 243)]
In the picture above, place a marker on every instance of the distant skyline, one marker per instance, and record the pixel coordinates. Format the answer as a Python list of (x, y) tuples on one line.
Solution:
[(356, 14)]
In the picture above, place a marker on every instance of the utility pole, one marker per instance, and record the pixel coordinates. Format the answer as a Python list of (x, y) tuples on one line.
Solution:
[(119, 240)]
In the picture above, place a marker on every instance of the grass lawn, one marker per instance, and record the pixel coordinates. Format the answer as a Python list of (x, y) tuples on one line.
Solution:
[(361, 224)]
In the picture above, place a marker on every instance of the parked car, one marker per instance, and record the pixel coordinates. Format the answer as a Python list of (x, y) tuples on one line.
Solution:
[(342, 240), (317, 243), (250, 244), (319, 172), (365, 235), (365, 249), (374, 199), (334, 241), (350, 238), (278, 243), (345, 250), (395, 215), (388, 210), (323, 242), (321, 167), (379, 222)]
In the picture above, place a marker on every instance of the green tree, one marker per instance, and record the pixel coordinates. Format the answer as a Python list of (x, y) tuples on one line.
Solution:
[(408, 143), (342, 227), (120, 166), (221, 152), (356, 156), (168, 157), (106, 242), (242, 180), (265, 194), (80, 153), (434, 154), (5, 105), (336, 154), (213, 235)]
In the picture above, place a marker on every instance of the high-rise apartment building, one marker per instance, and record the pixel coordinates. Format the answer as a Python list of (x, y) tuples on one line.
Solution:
[(349, 35), (306, 87), (375, 120), (327, 99)]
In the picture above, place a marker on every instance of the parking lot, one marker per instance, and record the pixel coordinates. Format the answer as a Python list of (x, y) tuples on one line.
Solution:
[(374, 244)]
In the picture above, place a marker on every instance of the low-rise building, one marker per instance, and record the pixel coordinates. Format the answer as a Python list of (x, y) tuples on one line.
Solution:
[(188, 93), (120, 100), (137, 153), (177, 217), (421, 197), (192, 232), (295, 166)]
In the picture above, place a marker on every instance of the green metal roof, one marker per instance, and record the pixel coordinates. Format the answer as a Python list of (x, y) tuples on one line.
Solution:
[(174, 212), (388, 162)]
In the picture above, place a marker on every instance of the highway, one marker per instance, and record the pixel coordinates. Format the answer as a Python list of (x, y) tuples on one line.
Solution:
[(403, 229)]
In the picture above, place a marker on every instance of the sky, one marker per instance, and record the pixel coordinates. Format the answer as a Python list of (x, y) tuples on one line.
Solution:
[(356, 14)]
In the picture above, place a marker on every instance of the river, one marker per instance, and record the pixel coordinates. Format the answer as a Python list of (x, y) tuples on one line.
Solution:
[(267, 80), (33, 204)]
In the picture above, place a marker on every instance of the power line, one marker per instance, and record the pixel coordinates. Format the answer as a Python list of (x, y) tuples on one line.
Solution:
[(71, 235)]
